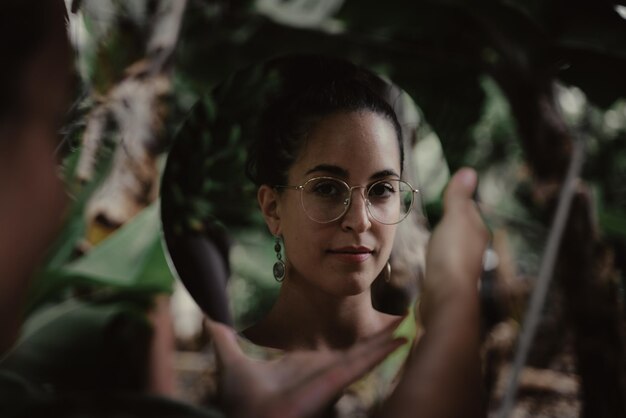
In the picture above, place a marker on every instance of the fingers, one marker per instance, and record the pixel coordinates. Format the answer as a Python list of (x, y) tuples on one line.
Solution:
[(382, 335), (362, 349), (362, 358), (459, 202), (320, 360), (348, 368), (460, 189), (227, 348), (364, 355), (456, 247), (344, 368)]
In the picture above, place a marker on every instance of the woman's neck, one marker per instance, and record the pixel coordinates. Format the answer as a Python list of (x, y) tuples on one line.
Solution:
[(306, 317)]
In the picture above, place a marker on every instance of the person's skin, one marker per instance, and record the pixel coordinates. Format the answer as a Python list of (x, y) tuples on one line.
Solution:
[(33, 200), (325, 299), (299, 384), (31, 194), (442, 377)]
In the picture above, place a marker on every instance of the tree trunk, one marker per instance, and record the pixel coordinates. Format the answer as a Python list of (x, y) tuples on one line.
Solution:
[(589, 282), (585, 271)]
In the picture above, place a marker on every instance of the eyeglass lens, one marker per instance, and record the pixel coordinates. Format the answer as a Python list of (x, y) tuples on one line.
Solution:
[(326, 199)]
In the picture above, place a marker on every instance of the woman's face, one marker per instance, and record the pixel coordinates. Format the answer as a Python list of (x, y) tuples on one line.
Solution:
[(342, 257)]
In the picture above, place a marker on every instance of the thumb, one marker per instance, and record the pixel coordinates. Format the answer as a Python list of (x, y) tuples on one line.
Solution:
[(460, 188), (227, 349)]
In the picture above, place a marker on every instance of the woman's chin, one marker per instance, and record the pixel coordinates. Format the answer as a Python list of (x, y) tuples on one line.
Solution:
[(351, 285), (334, 283)]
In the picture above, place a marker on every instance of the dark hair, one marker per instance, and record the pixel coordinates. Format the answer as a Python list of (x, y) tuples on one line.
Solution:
[(26, 26), (308, 88)]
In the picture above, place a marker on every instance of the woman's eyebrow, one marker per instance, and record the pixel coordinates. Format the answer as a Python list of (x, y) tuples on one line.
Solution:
[(341, 172), (330, 169), (383, 174)]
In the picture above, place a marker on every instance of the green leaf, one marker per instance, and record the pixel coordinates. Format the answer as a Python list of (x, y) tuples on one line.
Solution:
[(77, 346), (131, 259), (613, 222), (121, 260)]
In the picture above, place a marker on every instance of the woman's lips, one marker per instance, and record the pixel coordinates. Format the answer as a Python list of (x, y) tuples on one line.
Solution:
[(351, 254)]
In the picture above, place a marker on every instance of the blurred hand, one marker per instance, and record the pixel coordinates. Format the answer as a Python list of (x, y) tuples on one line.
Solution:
[(298, 384), (442, 377), (32, 199), (32, 203), (456, 248)]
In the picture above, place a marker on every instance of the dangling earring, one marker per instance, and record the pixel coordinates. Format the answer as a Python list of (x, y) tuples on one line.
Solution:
[(279, 266), (387, 272)]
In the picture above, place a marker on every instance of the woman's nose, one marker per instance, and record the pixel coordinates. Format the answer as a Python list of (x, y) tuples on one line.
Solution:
[(357, 216)]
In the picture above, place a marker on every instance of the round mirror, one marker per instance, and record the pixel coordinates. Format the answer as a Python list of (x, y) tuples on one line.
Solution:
[(217, 240)]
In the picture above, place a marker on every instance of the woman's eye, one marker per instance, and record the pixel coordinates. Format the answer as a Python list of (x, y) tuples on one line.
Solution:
[(379, 190), (327, 188)]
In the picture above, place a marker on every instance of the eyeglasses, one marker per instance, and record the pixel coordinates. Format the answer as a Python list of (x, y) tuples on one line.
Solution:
[(326, 199)]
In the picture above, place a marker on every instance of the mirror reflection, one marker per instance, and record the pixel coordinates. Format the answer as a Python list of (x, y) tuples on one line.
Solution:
[(309, 231)]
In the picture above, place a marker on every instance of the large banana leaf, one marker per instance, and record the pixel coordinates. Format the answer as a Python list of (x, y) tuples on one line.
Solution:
[(131, 260), (76, 346), (78, 359)]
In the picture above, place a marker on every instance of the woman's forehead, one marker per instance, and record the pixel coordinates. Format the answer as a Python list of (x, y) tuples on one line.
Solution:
[(349, 144)]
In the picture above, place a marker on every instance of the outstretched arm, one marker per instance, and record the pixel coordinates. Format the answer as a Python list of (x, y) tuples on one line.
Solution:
[(442, 378), (32, 200), (299, 384)]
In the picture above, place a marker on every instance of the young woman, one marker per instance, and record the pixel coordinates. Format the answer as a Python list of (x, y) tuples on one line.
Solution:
[(436, 379), (328, 164)]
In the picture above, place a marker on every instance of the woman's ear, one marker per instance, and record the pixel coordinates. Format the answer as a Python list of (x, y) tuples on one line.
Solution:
[(268, 201)]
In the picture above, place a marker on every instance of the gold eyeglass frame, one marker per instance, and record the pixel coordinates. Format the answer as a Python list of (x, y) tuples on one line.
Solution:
[(349, 200)]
